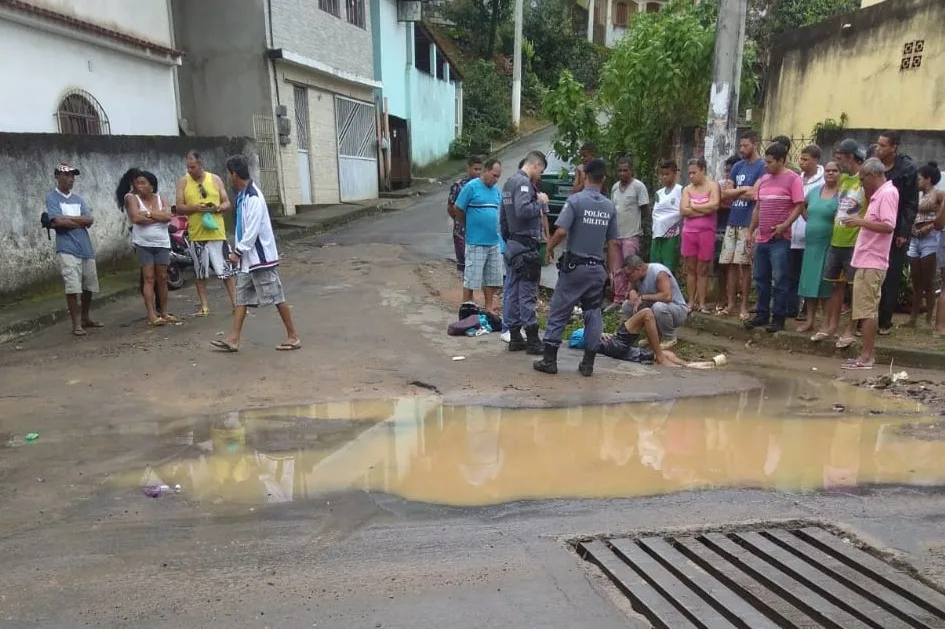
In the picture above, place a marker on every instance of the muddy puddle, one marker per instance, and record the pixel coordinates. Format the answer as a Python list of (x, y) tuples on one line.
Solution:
[(792, 435)]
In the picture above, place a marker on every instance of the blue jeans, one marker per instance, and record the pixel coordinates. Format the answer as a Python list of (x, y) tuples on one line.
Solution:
[(505, 297), (771, 267)]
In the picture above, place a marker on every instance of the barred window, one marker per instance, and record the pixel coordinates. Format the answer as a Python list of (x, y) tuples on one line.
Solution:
[(80, 114), (355, 13), (330, 6)]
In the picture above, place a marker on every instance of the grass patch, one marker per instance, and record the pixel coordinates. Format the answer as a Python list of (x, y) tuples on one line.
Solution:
[(611, 323)]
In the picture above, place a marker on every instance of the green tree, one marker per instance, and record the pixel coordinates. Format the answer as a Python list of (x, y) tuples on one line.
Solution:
[(477, 23), (656, 81), (487, 100), (568, 106)]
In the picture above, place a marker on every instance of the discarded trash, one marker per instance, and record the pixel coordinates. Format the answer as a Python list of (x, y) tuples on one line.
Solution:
[(813, 368), (31, 437), (839, 408), (40, 479), (886, 381), (153, 491), (720, 360), (459, 358), (220, 333)]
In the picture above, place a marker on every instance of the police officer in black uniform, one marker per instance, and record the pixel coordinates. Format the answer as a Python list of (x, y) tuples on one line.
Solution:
[(589, 222), (521, 226)]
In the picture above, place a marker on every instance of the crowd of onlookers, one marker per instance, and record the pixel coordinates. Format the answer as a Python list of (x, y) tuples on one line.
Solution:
[(829, 234), (816, 239)]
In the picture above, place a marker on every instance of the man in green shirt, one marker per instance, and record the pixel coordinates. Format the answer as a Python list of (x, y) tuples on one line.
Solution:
[(851, 202)]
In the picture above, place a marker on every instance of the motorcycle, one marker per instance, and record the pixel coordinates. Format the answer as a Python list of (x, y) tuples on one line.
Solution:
[(180, 251)]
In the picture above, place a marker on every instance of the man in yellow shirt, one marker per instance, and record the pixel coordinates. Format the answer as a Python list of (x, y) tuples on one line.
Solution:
[(201, 196)]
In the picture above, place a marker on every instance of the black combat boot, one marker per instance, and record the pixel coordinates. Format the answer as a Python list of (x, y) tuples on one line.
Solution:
[(549, 360), (516, 340), (586, 368), (533, 345)]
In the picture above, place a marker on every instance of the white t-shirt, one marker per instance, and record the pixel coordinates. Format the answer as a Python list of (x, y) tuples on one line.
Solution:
[(153, 235), (628, 203), (666, 212), (799, 228)]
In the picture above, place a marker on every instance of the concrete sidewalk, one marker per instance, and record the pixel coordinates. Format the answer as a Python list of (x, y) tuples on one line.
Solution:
[(34, 312), (886, 350)]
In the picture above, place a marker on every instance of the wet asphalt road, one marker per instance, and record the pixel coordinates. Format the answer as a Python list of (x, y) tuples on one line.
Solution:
[(355, 558)]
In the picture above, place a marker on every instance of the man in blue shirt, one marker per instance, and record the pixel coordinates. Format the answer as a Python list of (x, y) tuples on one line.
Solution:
[(479, 202), (71, 217), (473, 170), (741, 193)]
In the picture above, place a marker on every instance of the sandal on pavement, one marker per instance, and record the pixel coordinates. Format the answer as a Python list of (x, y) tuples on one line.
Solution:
[(844, 342), (169, 318), (288, 347), (92, 324), (226, 346), (744, 316), (820, 336), (884, 331), (156, 323), (79, 332), (723, 312), (856, 365), (203, 312)]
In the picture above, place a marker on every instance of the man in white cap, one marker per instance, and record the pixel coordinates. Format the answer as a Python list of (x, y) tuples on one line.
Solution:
[(70, 215)]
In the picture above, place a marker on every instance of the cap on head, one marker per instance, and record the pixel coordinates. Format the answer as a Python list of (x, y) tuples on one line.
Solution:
[(65, 169), (849, 146)]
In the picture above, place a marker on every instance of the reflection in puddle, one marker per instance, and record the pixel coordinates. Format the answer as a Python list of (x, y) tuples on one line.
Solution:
[(785, 437)]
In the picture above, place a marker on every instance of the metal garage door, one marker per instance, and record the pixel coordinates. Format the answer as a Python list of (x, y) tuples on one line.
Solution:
[(356, 127)]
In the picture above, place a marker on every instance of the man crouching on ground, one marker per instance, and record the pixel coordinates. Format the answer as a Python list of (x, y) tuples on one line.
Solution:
[(654, 287), (256, 259)]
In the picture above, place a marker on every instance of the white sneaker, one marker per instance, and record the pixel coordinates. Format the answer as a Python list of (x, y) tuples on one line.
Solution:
[(506, 337)]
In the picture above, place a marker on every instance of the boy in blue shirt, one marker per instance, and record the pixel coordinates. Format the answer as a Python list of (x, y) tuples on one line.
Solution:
[(479, 202)]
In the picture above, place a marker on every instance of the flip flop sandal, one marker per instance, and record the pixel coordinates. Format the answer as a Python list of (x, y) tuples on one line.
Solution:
[(157, 323), (704, 311), (843, 343), (820, 336), (92, 324), (79, 333), (225, 346), (856, 365), (203, 312), (884, 331), (169, 318), (288, 347), (723, 312), (744, 316)]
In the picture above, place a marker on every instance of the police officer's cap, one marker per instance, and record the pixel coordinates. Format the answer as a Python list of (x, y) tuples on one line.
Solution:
[(595, 168)]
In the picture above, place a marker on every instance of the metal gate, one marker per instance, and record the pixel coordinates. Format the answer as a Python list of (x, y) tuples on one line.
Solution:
[(356, 128), (302, 140), (264, 132)]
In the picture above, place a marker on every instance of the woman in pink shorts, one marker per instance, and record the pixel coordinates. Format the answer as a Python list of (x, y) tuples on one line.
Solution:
[(700, 202)]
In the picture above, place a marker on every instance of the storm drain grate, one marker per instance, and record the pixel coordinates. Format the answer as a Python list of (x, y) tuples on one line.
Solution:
[(802, 578)]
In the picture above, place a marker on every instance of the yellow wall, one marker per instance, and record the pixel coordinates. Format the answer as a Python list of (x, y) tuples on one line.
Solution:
[(820, 72), (868, 3)]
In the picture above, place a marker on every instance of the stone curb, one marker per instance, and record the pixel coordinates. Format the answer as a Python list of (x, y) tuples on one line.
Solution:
[(16, 329), (801, 344)]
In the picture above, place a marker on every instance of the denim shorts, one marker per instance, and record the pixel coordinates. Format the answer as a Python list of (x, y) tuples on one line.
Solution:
[(922, 247), (153, 256)]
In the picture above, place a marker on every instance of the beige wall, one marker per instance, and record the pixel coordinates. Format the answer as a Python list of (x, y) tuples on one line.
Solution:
[(323, 150), (868, 3), (824, 70)]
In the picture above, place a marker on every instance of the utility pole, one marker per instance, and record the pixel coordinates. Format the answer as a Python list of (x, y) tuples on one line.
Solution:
[(517, 66), (722, 126)]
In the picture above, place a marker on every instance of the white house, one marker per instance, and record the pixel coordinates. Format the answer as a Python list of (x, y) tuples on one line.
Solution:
[(93, 67), (607, 20)]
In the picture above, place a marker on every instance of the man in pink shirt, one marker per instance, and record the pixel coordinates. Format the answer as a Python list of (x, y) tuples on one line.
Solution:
[(780, 194), (871, 254)]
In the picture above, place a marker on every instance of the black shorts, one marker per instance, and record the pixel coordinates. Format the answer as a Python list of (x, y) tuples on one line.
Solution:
[(839, 267)]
